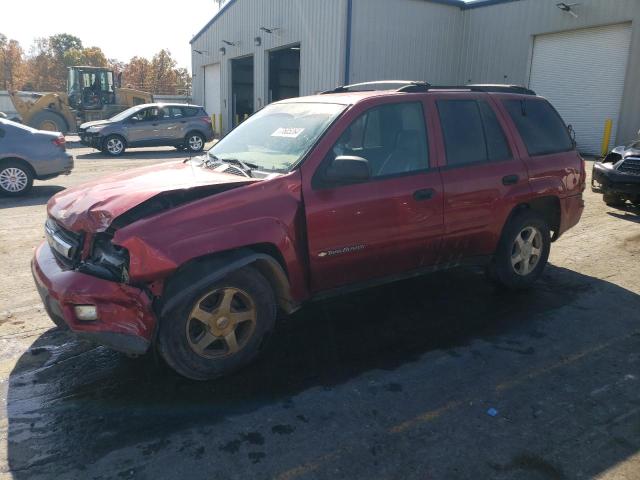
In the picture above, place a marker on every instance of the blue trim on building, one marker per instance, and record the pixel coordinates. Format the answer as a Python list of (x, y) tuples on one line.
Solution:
[(461, 4), (347, 53)]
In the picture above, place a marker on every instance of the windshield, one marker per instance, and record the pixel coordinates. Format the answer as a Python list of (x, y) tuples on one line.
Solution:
[(278, 136), (126, 113)]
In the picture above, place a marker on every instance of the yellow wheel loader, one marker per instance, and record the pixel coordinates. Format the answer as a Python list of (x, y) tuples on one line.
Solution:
[(92, 94)]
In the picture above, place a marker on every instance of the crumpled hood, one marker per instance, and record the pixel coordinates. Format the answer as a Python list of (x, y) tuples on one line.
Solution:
[(92, 207), (86, 125)]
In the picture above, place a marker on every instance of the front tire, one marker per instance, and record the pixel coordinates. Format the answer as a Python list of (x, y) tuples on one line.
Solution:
[(114, 145), (220, 327), (613, 200), (15, 178), (522, 252), (194, 142)]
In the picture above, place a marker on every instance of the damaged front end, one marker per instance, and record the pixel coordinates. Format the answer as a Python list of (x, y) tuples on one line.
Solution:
[(617, 176), (83, 274)]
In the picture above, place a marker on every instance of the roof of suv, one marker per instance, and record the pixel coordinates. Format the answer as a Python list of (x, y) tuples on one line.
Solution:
[(351, 94)]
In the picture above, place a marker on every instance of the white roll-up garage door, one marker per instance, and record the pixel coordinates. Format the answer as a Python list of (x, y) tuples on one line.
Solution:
[(582, 73), (212, 89)]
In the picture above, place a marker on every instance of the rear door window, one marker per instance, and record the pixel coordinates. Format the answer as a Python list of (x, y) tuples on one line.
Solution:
[(541, 128), (472, 133)]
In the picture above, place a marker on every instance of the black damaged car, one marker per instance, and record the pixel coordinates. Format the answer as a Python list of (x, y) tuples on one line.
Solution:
[(617, 176)]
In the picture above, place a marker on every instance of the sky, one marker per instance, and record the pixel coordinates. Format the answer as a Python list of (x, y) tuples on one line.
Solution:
[(121, 28)]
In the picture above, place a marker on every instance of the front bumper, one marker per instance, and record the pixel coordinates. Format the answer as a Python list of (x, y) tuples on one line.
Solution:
[(126, 318), (609, 180), (93, 140)]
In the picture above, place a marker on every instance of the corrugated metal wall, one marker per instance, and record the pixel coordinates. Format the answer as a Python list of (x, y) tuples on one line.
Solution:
[(319, 27), (406, 40), (498, 44)]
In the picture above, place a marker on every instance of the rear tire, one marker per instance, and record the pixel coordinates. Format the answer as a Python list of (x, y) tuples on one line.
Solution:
[(114, 145), (194, 142), (613, 200), (522, 252), (220, 327), (16, 178), (50, 121)]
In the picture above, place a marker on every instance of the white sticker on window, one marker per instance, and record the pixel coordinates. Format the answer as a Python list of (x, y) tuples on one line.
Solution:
[(290, 132)]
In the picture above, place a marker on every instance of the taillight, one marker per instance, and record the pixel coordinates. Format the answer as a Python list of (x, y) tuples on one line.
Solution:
[(60, 142), (206, 119)]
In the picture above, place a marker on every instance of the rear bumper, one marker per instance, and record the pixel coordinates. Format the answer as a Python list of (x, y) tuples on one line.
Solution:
[(608, 180), (126, 319), (52, 167), (571, 212)]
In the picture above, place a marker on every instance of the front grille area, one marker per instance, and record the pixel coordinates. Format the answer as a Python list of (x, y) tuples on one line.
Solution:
[(65, 245), (630, 166)]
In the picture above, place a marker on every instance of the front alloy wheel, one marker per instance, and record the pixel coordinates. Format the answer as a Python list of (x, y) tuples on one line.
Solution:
[(218, 328), (221, 322), (114, 145)]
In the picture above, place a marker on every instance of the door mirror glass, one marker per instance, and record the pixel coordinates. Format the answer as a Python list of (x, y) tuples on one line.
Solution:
[(347, 169)]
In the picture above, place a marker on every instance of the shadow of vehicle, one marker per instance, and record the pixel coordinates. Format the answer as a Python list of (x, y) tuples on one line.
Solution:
[(144, 154), (39, 195), (632, 213), (70, 403)]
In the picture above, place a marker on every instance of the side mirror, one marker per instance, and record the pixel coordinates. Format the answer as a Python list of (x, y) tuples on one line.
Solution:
[(572, 134), (348, 169)]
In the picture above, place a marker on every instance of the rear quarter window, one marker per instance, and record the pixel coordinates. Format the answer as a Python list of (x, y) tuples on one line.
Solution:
[(541, 128), (190, 111)]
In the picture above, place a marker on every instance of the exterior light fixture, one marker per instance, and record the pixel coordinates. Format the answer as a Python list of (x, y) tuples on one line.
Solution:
[(257, 41), (222, 50)]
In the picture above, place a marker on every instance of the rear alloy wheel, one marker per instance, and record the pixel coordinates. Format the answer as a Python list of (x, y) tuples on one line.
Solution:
[(114, 145), (195, 142), (220, 328), (522, 252), (15, 178)]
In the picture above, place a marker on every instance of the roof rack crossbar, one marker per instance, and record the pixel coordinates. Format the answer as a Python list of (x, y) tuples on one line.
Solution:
[(408, 86)]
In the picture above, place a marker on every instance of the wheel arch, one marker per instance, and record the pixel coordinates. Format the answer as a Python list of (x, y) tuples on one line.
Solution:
[(209, 268), (21, 161), (548, 207)]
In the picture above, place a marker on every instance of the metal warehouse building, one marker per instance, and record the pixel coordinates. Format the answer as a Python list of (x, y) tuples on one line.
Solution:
[(586, 60)]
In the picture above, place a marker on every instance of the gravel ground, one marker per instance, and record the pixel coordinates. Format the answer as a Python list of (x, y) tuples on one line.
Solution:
[(392, 383)]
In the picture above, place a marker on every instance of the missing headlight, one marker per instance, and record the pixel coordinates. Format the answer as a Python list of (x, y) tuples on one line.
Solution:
[(107, 260)]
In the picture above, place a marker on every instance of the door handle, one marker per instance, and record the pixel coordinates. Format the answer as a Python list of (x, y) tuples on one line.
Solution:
[(510, 179), (424, 194)]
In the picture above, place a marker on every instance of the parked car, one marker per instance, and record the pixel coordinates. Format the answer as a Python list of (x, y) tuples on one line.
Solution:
[(617, 176), (310, 197), (27, 154), (186, 127)]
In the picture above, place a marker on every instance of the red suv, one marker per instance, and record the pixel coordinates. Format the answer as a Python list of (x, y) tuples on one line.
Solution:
[(310, 197)]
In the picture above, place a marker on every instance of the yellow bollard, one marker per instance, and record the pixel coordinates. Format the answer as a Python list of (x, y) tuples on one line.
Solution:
[(220, 123), (606, 138), (237, 119), (246, 115), (213, 123)]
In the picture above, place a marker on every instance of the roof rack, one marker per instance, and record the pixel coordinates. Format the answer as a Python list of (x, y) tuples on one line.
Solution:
[(408, 86), (396, 85)]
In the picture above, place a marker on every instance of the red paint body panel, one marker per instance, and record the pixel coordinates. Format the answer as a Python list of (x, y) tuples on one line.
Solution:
[(384, 228), (91, 207), (122, 308)]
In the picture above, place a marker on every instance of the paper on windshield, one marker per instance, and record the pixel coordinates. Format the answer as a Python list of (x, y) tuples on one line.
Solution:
[(287, 132)]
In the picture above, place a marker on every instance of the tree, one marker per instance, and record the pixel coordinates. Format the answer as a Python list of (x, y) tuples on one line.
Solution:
[(92, 56), (163, 72), (12, 63), (136, 73), (63, 42)]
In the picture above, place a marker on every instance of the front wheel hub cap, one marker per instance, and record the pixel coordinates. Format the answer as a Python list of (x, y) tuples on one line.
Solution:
[(221, 322)]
